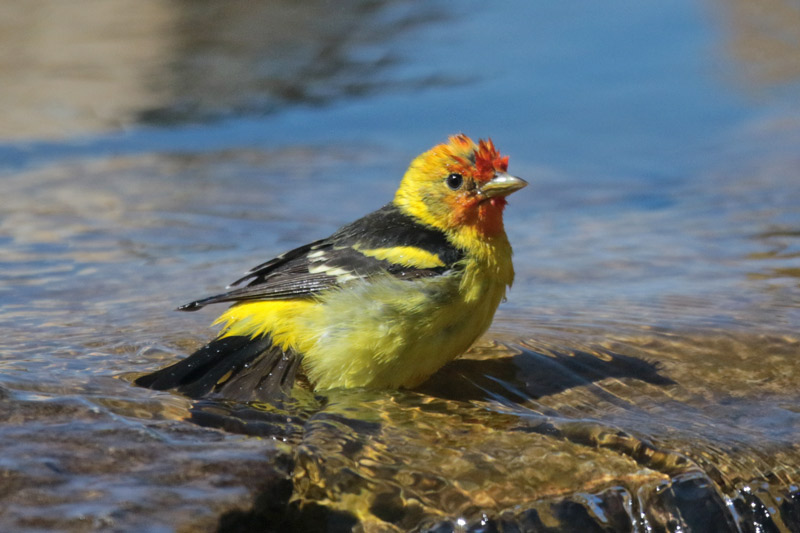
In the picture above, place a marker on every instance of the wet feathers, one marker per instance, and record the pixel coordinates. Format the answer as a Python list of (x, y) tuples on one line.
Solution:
[(382, 303)]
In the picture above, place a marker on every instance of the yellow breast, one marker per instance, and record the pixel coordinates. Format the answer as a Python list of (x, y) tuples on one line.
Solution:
[(385, 332)]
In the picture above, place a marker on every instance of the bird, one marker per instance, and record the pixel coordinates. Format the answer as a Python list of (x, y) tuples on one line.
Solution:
[(382, 303)]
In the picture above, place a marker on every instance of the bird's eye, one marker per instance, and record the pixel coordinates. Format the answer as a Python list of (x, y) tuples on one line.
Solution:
[(454, 181)]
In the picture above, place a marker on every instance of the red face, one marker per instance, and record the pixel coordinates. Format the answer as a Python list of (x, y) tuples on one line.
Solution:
[(477, 167)]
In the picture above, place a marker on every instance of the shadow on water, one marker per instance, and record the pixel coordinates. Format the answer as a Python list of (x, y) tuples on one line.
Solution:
[(642, 377), (475, 449), (532, 374)]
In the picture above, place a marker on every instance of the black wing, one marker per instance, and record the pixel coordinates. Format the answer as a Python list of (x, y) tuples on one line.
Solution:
[(336, 260)]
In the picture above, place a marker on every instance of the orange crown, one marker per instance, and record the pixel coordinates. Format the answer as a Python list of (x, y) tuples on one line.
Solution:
[(487, 160)]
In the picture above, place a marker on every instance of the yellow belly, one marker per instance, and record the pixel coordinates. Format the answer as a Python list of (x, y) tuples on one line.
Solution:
[(385, 333)]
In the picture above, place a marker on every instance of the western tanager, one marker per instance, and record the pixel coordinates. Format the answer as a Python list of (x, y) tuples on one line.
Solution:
[(384, 302)]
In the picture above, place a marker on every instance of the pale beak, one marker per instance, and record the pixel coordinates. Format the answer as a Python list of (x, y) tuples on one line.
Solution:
[(501, 185)]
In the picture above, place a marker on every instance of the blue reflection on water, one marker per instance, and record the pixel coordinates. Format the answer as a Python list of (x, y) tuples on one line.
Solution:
[(622, 87)]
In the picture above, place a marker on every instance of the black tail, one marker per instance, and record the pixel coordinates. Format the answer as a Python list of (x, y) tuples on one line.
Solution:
[(236, 368)]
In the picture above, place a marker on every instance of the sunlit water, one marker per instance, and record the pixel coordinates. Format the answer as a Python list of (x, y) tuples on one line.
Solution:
[(642, 375)]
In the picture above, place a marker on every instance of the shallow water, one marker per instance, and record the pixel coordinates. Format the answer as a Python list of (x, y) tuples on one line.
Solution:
[(641, 377)]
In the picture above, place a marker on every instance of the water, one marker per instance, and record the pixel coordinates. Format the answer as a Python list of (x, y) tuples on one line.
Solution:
[(641, 377)]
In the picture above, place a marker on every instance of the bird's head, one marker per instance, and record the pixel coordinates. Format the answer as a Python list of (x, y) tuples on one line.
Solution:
[(459, 186)]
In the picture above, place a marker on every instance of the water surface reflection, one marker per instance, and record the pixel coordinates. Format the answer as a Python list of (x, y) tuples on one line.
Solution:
[(641, 377)]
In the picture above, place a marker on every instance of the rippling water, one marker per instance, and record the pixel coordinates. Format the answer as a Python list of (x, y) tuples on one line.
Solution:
[(641, 377)]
